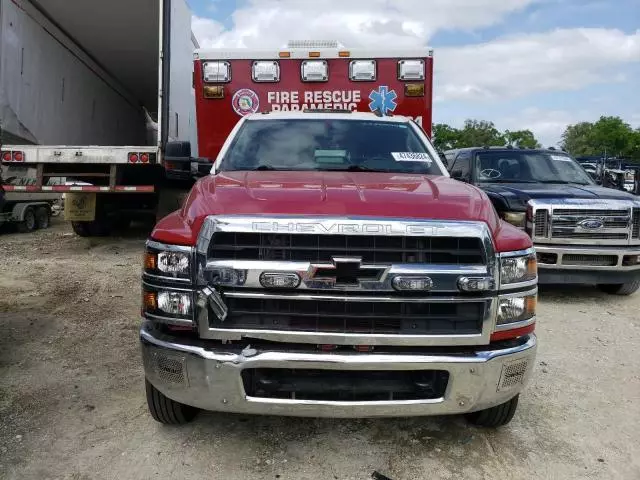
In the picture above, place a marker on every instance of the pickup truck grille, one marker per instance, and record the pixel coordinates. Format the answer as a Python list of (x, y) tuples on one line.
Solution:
[(346, 269), (371, 248), (339, 315), (566, 224)]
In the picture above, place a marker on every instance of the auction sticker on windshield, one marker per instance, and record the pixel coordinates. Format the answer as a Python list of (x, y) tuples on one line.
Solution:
[(411, 157), (560, 158)]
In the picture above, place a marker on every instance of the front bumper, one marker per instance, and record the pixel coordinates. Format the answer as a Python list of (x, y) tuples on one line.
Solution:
[(566, 270), (198, 374)]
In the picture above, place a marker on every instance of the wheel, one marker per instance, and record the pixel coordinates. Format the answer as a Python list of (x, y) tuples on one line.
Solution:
[(29, 222), (43, 219), (165, 410), (621, 288), (495, 416), (95, 228)]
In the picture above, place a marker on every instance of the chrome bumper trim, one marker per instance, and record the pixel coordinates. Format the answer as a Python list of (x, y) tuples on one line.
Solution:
[(212, 377), (559, 250)]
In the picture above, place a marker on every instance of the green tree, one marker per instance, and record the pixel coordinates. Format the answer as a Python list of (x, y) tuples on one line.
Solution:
[(521, 138), (445, 137), (479, 133), (610, 136), (576, 139)]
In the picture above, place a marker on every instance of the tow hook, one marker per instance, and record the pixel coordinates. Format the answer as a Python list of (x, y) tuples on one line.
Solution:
[(211, 297)]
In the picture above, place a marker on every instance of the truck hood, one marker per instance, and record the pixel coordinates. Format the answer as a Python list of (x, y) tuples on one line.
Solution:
[(343, 194), (516, 195)]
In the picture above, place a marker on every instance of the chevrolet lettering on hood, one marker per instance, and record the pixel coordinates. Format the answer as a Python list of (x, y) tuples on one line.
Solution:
[(347, 228)]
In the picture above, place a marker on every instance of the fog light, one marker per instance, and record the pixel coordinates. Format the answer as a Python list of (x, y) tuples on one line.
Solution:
[(630, 260), (279, 280), (478, 284), (412, 283), (175, 303)]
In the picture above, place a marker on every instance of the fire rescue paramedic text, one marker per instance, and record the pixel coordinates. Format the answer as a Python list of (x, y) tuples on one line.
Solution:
[(334, 99)]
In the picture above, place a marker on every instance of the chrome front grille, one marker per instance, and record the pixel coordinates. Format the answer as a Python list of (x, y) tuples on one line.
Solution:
[(587, 212), (541, 228), (371, 249), (341, 314), (584, 222), (346, 268)]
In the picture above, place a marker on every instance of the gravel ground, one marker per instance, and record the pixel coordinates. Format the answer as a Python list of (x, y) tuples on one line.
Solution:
[(72, 402)]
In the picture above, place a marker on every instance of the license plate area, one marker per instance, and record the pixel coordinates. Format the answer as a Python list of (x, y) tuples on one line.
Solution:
[(345, 385)]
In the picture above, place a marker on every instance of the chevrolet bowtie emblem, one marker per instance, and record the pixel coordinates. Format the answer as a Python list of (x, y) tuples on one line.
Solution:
[(346, 271)]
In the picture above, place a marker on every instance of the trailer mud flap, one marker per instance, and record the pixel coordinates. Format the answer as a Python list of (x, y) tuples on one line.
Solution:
[(80, 207)]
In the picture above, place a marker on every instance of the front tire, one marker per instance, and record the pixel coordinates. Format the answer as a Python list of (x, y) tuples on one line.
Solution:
[(165, 410), (622, 288), (29, 223), (497, 416), (43, 219)]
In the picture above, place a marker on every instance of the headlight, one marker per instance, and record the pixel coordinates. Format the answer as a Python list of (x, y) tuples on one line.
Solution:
[(518, 268), (517, 219), (170, 261), (516, 309), (173, 262), (168, 306)]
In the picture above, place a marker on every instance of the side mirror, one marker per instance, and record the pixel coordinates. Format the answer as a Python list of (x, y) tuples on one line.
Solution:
[(201, 167), (457, 174)]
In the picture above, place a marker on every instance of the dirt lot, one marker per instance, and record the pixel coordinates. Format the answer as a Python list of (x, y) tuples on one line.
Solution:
[(72, 403)]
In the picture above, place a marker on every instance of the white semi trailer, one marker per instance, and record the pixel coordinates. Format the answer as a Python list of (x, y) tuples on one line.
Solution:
[(99, 93)]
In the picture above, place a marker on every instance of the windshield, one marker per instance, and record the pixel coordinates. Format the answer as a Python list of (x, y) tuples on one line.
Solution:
[(329, 145), (533, 167)]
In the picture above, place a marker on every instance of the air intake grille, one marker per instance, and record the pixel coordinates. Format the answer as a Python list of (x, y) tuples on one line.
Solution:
[(345, 385), (590, 260), (321, 248), (541, 223), (636, 223)]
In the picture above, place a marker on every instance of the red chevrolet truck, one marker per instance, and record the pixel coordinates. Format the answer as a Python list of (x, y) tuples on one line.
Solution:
[(328, 266)]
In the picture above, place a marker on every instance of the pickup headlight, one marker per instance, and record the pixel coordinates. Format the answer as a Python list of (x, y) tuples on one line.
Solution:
[(517, 219), (168, 306), (170, 261), (514, 309), (518, 267)]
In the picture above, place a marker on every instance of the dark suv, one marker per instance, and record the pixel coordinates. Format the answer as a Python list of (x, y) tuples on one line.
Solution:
[(583, 233)]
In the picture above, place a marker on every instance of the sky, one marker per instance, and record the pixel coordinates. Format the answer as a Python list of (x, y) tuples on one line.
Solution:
[(522, 64)]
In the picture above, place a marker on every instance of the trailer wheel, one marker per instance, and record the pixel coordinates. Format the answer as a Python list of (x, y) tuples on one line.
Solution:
[(165, 410), (495, 416), (29, 222), (43, 219), (622, 288)]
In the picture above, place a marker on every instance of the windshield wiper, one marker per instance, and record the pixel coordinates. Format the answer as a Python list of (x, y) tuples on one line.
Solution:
[(506, 180), (355, 168), (263, 168), (561, 182)]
